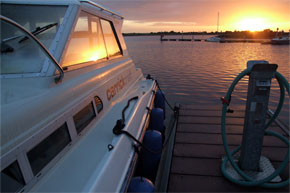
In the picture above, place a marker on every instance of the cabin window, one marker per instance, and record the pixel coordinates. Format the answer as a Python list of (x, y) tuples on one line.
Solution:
[(99, 104), (112, 45), (84, 117), (47, 149), (11, 178), (86, 43)]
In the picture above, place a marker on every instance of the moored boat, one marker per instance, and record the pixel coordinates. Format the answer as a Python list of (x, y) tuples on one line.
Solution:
[(284, 40), (214, 39), (66, 81)]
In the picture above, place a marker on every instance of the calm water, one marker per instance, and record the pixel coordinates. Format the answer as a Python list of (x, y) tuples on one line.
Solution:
[(201, 72)]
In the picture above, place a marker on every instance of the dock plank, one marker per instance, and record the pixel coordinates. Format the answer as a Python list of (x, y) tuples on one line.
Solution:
[(188, 166), (208, 108), (214, 128), (184, 165), (209, 113), (215, 139), (198, 150), (196, 183), (210, 120), (217, 151), (208, 128)]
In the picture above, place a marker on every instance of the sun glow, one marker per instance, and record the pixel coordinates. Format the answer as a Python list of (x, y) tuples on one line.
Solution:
[(251, 19), (252, 24), (95, 55)]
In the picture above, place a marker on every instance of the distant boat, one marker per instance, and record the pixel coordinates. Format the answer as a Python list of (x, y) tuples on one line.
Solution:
[(283, 40), (280, 39), (214, 39)]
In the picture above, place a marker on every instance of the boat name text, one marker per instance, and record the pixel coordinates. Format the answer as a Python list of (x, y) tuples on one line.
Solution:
[(114, 89)]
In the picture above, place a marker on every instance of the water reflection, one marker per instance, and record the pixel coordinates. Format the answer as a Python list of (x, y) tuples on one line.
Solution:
[(201, 72)]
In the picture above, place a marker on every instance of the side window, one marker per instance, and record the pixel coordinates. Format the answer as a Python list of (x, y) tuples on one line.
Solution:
[(110, 39), (87, 43), (11, 178), (46, 150), (99, 104), (84, 117)]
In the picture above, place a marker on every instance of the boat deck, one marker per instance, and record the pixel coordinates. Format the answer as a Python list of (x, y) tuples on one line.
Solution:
[(198, 149)]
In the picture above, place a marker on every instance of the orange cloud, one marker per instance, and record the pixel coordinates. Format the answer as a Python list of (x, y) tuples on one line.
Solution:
[(200, 15)]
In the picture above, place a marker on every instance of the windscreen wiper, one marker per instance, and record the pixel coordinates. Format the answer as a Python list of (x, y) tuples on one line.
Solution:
[(39, 30)]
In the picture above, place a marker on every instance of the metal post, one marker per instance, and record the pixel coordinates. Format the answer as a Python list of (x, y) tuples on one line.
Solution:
[(255, 116)]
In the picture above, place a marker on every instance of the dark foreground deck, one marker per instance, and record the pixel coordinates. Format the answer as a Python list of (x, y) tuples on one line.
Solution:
[(198, 150)]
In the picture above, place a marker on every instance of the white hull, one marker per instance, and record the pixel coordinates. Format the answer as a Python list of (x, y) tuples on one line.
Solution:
[(36, 108), (281, 40), (214, 39)]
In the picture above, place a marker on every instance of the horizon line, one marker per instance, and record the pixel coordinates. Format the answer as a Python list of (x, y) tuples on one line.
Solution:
[(172, 31)]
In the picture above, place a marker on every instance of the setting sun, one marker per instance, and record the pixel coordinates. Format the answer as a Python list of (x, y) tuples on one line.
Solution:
[(252, 24), (254, 19)]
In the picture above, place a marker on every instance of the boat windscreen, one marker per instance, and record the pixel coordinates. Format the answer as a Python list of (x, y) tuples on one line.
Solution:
[(20, 54)]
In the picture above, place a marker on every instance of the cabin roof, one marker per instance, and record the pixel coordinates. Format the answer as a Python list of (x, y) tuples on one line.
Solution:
[(41, 2), (63, 2)]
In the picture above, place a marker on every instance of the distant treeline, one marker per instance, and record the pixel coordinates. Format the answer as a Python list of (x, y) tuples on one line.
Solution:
[(266, 34)]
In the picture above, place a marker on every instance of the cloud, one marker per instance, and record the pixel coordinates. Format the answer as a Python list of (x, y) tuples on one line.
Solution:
[(174, 23), (139, 26), (194, 13), (171, 23), (161, 11)]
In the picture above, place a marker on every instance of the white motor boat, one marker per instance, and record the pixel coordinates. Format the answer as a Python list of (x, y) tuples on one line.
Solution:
[(66, 78), (214, 39), (283, 40)]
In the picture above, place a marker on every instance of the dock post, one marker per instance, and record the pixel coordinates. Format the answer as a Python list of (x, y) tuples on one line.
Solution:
[(255, 116)]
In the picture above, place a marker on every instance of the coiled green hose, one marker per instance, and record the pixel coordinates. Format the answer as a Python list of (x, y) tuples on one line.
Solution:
[(283, 83)]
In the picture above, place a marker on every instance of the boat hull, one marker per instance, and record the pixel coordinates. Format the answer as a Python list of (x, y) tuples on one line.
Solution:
[(280, 42)]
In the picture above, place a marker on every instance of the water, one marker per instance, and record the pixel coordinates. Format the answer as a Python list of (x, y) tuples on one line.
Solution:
[(201, 72)]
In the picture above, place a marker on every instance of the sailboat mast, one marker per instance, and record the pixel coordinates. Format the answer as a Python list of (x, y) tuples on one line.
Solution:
[(218, 19)]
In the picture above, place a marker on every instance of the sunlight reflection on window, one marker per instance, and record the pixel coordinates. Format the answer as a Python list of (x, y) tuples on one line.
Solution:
[(111, 42), (96, 54), (87, 43)]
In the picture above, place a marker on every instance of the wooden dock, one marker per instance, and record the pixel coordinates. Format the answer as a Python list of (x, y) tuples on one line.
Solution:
[(198, 150), (225, 40), (177, 39)]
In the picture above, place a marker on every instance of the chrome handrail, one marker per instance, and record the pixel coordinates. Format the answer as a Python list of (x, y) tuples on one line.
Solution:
[(102, 8), (61, 73)]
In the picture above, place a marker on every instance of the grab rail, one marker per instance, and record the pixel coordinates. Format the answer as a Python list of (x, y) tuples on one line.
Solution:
[(61, 73), (102, 8)]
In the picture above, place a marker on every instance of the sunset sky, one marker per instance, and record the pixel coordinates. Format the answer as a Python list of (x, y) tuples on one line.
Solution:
[(201, 15)]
